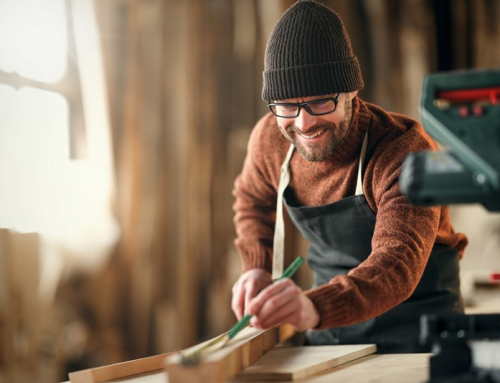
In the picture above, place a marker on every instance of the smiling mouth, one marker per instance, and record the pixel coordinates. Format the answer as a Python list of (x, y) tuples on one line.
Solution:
[(310, 137)]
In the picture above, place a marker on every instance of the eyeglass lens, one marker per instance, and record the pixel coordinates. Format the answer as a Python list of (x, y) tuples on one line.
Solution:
[(315, 107)]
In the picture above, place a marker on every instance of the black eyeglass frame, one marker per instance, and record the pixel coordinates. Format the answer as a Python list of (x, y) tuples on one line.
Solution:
[(304, 105)]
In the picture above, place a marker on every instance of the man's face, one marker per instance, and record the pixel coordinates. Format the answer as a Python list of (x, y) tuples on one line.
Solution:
[(317, 137)]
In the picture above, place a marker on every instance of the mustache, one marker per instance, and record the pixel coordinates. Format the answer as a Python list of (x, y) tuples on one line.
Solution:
[(292, 128)]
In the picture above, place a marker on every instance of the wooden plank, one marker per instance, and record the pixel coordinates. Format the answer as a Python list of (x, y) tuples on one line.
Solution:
[(218, 366), (243, 350), (119, 370), (293, 363), (378, 368), (374, 368)]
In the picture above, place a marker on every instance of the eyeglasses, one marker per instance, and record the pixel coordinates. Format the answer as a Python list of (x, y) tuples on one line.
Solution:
[(315, 107)]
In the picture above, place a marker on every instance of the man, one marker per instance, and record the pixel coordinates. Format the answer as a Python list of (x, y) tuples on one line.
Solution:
[(378, 262)]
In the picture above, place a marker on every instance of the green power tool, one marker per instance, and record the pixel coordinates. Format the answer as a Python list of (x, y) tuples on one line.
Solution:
[(461, 111)]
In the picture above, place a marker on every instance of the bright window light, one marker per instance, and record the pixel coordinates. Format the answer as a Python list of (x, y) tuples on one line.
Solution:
[(34, 39), (33, 157), (67, 202)]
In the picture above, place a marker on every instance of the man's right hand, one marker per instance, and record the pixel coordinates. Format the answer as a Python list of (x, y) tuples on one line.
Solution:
[(248, 285)]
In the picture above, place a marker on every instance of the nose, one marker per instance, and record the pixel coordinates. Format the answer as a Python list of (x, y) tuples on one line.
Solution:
[(304, 120)]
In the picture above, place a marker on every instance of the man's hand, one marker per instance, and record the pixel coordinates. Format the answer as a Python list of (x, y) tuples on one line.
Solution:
[(283, 302), (248, 286)]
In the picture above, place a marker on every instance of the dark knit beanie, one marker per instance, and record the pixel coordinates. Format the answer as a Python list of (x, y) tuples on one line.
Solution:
[(309, 54)]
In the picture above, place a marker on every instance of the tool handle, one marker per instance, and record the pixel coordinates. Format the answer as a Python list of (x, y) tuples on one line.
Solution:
[(243, 322)]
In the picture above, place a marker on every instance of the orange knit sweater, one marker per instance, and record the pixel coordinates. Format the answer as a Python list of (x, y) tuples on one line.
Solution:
[(404, 234)]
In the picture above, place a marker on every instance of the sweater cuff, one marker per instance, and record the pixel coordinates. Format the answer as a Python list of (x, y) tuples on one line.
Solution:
[(333, 312), (254, 256)]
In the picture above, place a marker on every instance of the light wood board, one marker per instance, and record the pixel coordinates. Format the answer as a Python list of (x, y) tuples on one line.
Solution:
[(293, 363), (377, 368), (219, 365), (119, 370)]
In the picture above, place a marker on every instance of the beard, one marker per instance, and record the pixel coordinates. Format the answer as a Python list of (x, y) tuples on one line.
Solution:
[(324, 150)]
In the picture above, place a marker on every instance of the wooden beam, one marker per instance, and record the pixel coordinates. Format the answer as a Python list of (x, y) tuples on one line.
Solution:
[(294, 363), (218, 366), (119, 370), (246, 347)]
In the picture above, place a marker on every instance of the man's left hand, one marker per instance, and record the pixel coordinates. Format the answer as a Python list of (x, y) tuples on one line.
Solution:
[(283, 302)]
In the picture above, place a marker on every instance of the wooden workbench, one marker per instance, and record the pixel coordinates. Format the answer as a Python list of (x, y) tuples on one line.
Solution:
[(396, 368)]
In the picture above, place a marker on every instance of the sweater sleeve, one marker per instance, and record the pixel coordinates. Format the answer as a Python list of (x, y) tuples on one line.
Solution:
[(255, 193), (401, 245)]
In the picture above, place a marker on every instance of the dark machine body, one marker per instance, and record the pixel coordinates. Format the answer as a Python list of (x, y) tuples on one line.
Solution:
[(461, 111)]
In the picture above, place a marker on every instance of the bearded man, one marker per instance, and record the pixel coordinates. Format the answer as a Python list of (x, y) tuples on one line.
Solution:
[(334, 161)]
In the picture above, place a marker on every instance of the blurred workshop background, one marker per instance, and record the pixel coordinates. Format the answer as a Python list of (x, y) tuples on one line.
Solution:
[(123, 124)]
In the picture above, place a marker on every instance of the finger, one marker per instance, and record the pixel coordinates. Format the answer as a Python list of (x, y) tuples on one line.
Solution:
[(285, 300), (250, 293), (285, 314), (238, 302), (253, 288), (256, 304)]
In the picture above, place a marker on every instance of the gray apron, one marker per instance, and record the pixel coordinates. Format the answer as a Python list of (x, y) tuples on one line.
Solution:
[(340, 236)]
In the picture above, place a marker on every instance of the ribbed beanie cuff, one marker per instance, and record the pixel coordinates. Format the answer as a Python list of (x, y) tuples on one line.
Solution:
[(309, 54)]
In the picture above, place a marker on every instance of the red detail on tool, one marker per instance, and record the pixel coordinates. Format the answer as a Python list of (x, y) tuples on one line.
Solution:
[(477, 110), (495, 277), (463, 111), (471, 95)]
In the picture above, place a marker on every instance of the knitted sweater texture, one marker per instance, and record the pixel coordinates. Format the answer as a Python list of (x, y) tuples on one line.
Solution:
[(404, 234)]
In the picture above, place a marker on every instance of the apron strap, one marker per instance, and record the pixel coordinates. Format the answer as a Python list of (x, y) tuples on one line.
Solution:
[(359, 183), (279, 227)]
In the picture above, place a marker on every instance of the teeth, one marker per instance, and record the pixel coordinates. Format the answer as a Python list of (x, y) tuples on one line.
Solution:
[(312, 136)]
